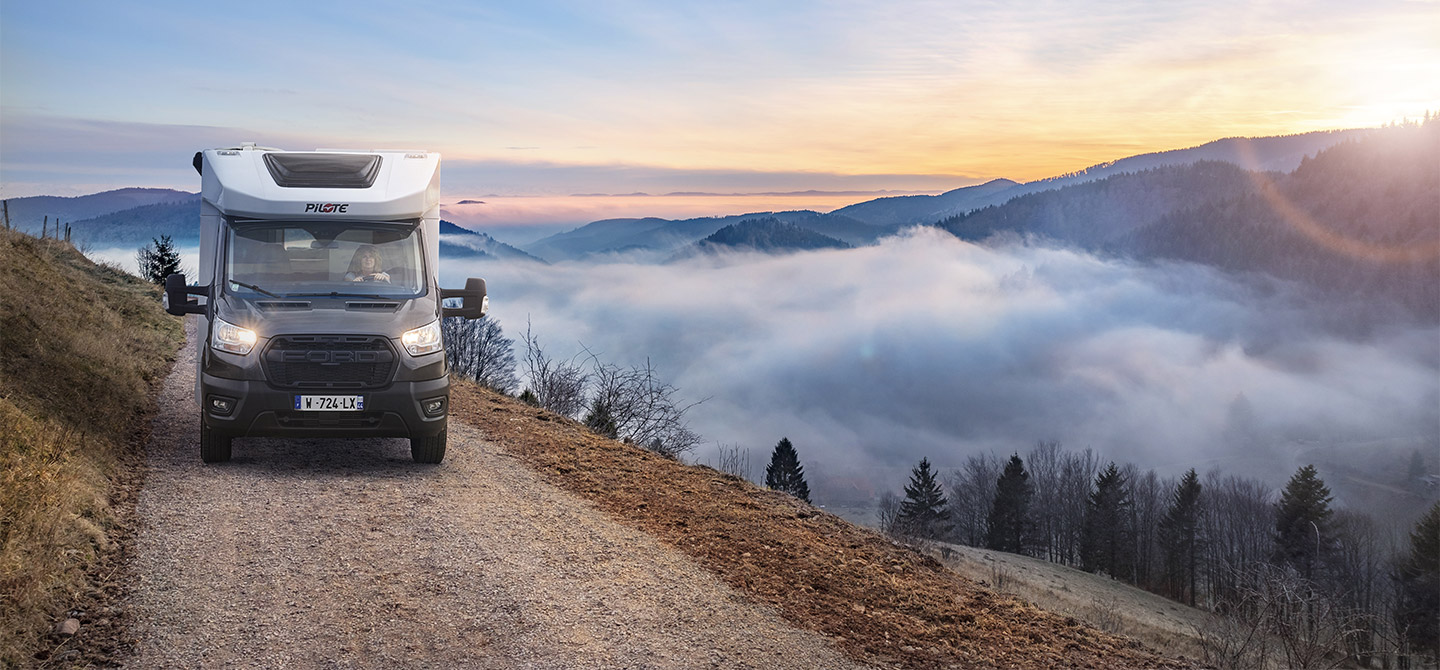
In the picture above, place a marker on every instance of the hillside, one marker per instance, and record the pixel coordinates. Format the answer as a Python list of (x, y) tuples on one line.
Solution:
[(885, 604), (1096, 215), (908, 210), (27, 214), (81, 348), (458, 243), (136, 226), (1359, 220), (656, 239), (768, 235), (1281, 153)]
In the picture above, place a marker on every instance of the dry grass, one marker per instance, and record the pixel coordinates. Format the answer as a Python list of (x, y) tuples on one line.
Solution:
[(1115, 607), (882, 603), (80, 348)]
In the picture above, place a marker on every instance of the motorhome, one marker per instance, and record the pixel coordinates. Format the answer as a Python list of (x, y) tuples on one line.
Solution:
[(319, 298)]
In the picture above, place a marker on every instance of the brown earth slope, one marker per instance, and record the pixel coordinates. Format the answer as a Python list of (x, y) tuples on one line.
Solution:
[(882, 603)]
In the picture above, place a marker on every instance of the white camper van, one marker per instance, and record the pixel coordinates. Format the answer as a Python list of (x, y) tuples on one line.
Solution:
[(320, 308)]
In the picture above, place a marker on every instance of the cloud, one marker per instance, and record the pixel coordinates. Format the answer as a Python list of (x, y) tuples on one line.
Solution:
[(871, 358)]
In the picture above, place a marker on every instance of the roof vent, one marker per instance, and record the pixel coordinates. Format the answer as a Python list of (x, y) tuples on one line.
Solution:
[(313, 170)]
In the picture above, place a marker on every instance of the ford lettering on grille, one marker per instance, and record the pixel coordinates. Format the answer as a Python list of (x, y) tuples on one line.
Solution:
[(330, 362), (324, 357)]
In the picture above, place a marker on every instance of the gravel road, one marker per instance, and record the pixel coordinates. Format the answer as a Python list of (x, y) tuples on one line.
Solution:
[(344, 553)]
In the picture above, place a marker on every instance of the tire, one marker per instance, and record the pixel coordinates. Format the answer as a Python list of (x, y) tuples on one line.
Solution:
[(214, 447), (428, 449)]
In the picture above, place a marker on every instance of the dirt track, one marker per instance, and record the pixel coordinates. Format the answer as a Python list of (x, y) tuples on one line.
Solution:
[(343, 553)]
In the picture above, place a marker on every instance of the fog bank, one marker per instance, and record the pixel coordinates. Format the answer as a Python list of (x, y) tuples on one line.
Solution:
[(869, 359)]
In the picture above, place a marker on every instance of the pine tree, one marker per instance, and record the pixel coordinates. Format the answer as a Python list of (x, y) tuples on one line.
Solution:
[(158, 260), (1418, 578), (1179, 538), (784, 473), (924, 512), (600, 422), (1009, 526), (1105, 546), (1302, 523)]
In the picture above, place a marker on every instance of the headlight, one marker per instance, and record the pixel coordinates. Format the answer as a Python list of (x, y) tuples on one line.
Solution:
[(423, 340), (232, 338)]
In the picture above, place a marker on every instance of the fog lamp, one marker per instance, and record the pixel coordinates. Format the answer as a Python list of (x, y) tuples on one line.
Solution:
[(433, 406), (221, 405)]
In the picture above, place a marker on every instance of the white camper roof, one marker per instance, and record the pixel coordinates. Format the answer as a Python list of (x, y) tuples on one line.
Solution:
[(258, 182)]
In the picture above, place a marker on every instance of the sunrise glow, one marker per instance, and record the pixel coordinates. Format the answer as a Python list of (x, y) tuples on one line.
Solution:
[(555, 99)]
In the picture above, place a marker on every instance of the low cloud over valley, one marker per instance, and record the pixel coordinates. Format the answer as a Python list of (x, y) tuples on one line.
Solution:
[(925, 345)]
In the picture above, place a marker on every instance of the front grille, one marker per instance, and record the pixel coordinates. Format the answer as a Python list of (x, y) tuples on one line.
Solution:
[(330, 362)]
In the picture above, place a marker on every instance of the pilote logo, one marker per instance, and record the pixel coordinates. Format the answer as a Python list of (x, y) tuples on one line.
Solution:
[(326, 207)]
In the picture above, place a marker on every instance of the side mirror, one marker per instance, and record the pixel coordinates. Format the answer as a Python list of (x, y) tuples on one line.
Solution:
[(473, 301), (177, 299)]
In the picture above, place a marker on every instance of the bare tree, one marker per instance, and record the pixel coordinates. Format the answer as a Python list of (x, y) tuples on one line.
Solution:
[(479, 350), (1077, 472), (558, 386), (887, 512), (1238, 522), (1045, 503), (645, 410), (1149, 494), (972, 493)]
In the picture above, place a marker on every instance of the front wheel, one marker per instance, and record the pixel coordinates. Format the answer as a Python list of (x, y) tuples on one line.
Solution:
[(428, 449), (214, 447)]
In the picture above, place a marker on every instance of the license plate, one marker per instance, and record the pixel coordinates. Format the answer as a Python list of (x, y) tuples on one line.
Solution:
[(330, 403)]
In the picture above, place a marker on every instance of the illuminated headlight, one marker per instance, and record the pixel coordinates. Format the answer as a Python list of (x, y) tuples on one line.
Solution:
[(423, 340), (232, 338)]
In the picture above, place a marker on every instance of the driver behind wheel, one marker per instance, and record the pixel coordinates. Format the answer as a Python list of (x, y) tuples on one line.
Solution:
[(365, 266)]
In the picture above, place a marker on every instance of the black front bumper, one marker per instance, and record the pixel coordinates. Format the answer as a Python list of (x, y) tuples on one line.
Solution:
[(258, 409)]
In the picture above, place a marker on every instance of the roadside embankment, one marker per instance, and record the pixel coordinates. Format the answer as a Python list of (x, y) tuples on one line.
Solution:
[(82, 346)]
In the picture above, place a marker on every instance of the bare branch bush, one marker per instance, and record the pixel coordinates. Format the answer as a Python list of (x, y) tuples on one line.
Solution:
[(645, 410), (479, 350), (559, 386), (734, 460), (1277, 615)]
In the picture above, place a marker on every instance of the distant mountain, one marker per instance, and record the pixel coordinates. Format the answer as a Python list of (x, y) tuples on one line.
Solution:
[(1096, 214), (909, 210), (1360, 220), (768, 234), (655, 239), (1281, 153), (28, 214), (134, 227), (462, 243)]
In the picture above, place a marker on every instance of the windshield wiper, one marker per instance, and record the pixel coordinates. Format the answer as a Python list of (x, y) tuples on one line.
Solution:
[(337, 294), (255, 288)]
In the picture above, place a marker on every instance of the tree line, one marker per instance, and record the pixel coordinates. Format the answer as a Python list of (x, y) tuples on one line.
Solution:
[(1295, 579)]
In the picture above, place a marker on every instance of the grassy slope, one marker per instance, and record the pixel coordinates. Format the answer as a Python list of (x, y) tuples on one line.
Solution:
[(884, 604), (1113, 606), (81, 346)]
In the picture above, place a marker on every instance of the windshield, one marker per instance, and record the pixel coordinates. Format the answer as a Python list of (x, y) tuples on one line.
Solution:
[(284, 259)]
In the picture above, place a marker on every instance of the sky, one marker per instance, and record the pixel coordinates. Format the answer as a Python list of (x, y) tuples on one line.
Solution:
[(545, 99)]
